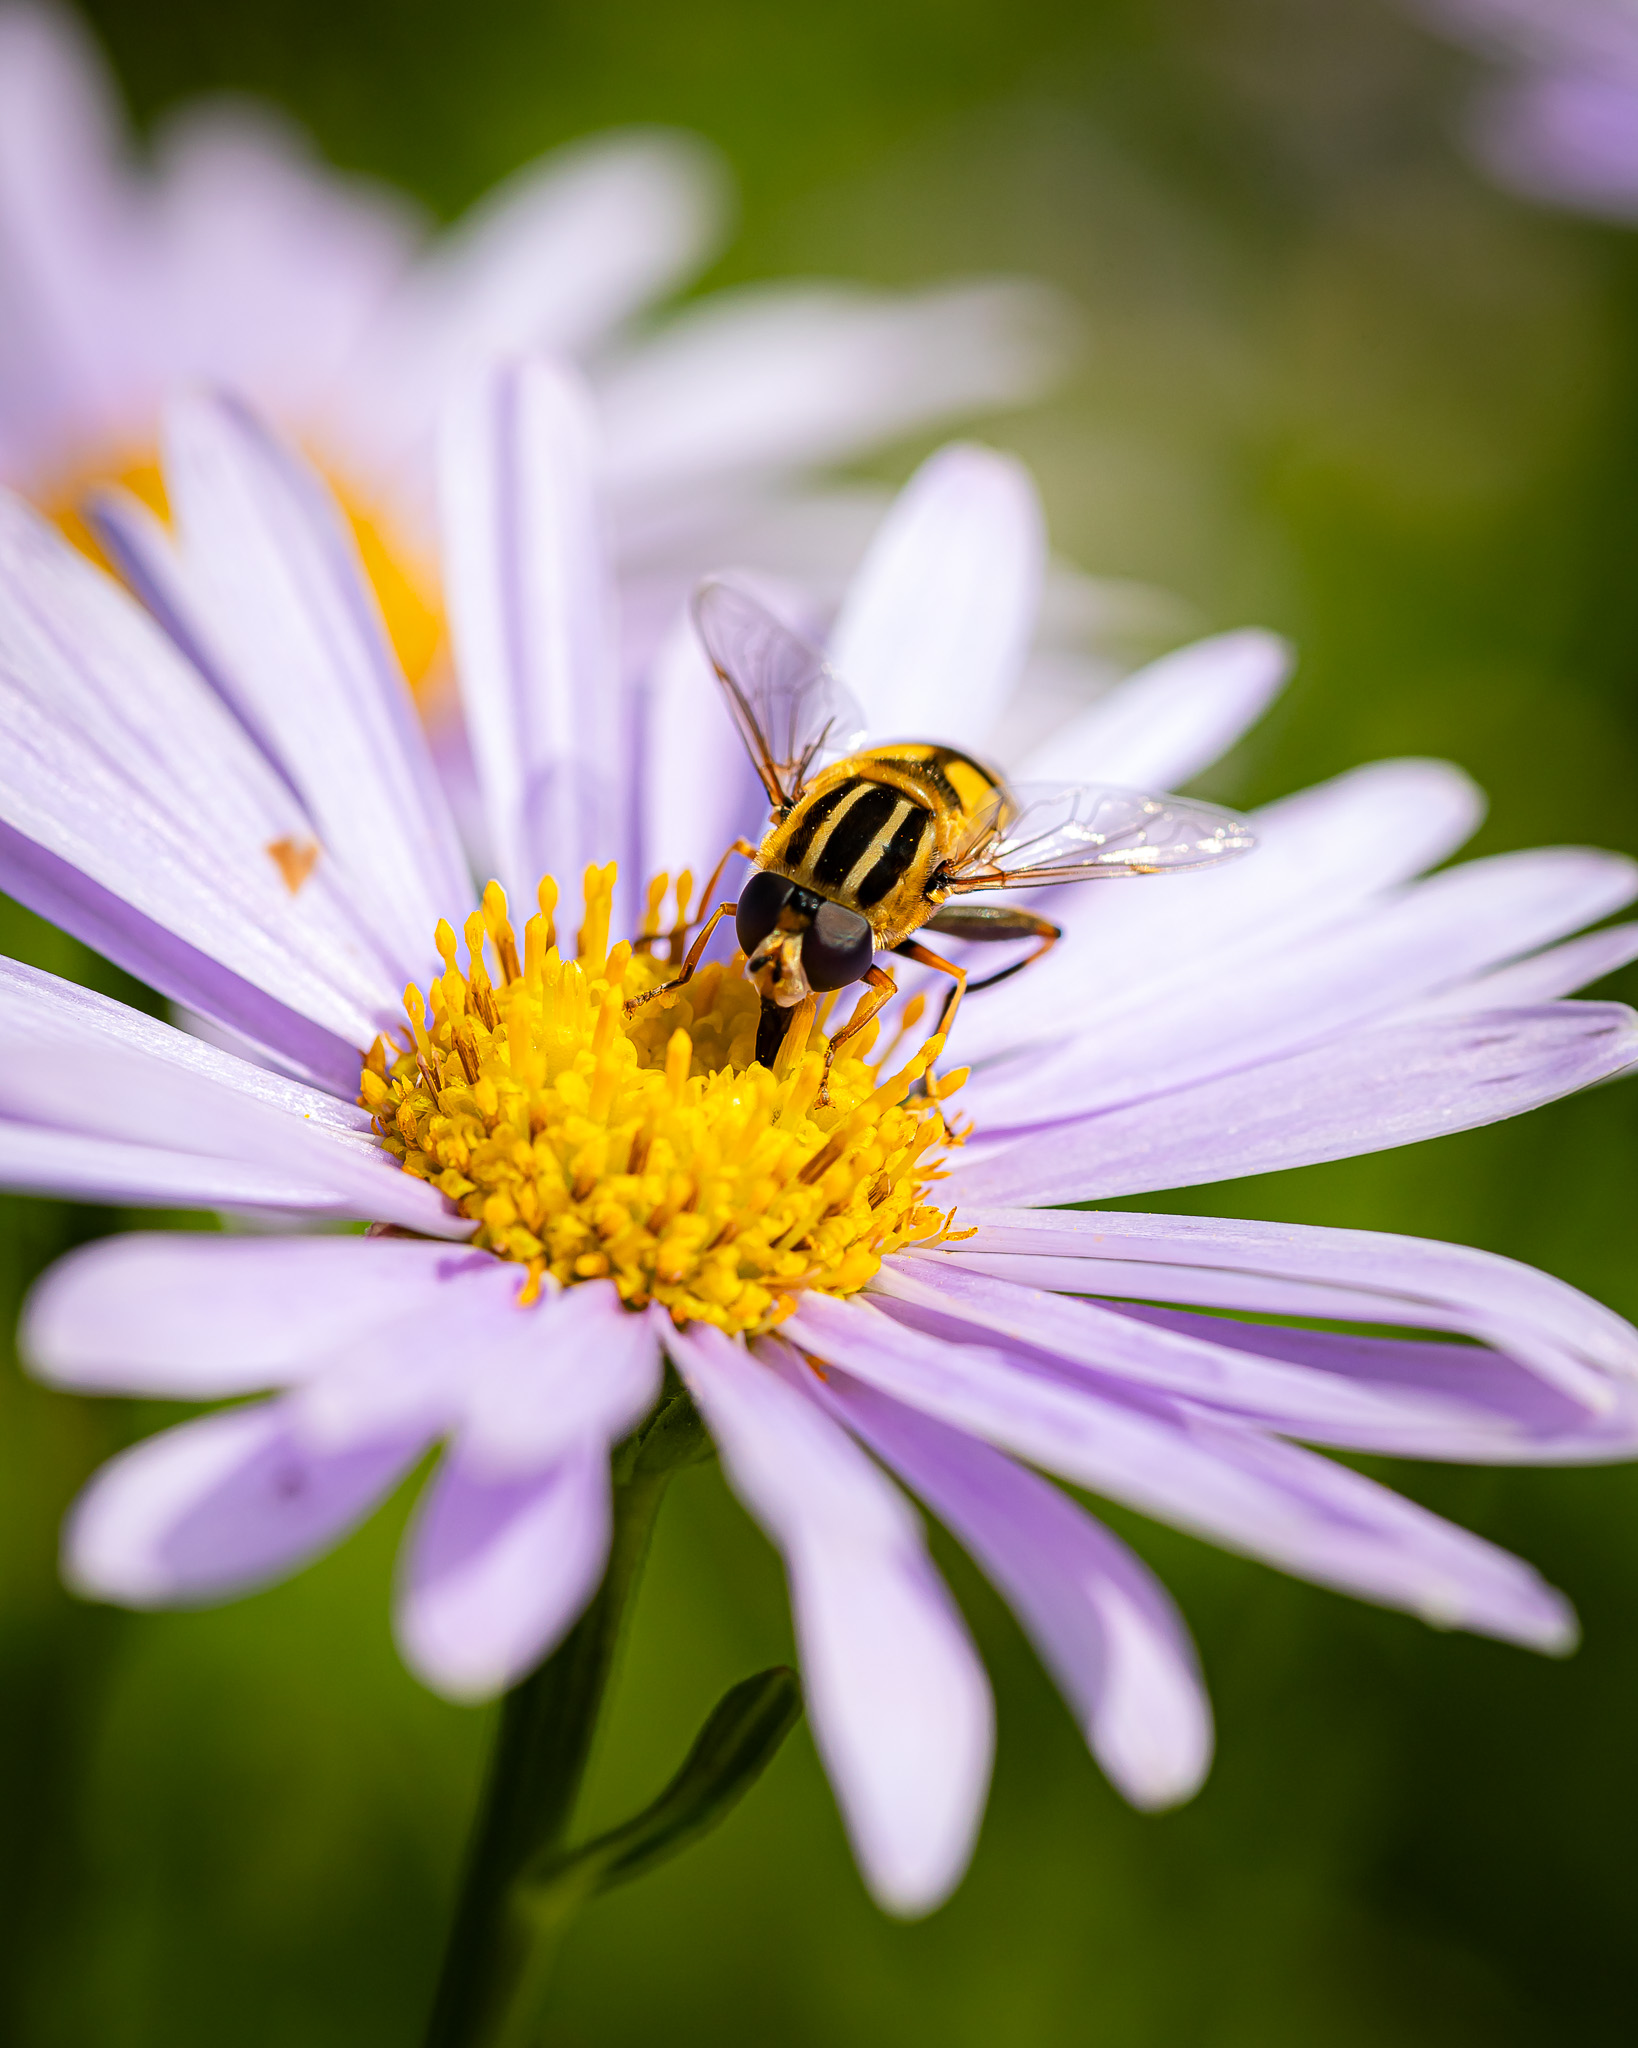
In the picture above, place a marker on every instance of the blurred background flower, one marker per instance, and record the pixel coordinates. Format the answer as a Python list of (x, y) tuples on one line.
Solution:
[(1335, 382), (1559, 118), (228, 253)]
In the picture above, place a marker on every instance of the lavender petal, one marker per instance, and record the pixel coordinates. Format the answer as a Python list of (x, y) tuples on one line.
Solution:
[(1218, 1479), (1104, 1625), (897, 1698), (1390, 1084), (214, 1508), (497, 1570)]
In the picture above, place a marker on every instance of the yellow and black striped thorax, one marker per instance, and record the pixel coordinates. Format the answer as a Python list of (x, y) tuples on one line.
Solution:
[(872, 831)]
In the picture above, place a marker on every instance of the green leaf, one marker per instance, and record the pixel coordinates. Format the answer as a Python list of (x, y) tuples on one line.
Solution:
[(674, 1437), (730, 1753)]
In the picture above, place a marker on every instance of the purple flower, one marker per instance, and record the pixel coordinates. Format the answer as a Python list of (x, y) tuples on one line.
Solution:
[(1561, 121), (241, 810), (235, 258)]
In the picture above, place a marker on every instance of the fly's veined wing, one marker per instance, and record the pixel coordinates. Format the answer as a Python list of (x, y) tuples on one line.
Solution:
[(790, 709), (1083, 832)]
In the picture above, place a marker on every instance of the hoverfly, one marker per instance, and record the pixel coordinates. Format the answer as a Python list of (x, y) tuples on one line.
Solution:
[(866, 848)]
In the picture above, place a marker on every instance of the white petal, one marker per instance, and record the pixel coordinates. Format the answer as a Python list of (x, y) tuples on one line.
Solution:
[(1140, 946), (932, 1293), (65, 227), (699, 791), (267, 265), (1560, 971), (38, 1161), (1287, 1269)]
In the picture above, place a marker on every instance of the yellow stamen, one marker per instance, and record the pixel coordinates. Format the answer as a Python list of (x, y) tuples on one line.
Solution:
[(651, 1149)]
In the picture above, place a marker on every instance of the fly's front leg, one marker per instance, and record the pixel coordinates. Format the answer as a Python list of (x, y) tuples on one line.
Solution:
[(695, 952), (882, 989), (985, 924), (680, 931), (909, 950)]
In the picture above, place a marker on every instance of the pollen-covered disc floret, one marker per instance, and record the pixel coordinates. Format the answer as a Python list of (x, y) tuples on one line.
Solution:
[(649, 1147)]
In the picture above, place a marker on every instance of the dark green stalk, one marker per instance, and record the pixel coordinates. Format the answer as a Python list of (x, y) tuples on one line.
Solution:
[(523, 1884), (498, 1953)]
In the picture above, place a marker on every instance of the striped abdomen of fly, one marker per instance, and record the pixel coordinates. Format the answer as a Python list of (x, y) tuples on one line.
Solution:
[(872, 832)]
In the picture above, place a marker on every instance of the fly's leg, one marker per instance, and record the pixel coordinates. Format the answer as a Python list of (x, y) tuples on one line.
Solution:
[(680, 931), (909, 950), (882, 989), (695, 952), (983, 924)]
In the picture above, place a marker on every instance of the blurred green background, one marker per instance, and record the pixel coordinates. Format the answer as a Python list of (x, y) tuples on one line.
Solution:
[(1332, 384)]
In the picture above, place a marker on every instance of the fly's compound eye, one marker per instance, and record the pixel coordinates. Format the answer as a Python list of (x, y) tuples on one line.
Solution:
[(761, 900), (837, 947)]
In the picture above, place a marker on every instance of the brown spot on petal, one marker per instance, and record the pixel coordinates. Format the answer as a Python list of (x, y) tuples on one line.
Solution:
[(294, 859)]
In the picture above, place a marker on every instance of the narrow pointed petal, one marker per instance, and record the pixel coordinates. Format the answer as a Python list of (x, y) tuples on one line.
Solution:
[(198, 1317), (1560, 971), (699, 791), (532, 610), (898, 1701), (72, 1168), (580, 1369), (79, 1062), (1500, 1412), (218, 1507), (1447, 929), (498, 1570), (552, 259), (1322, 856), (68, 233), (1201, 1361), (1220, 1480), (70, 899), (1160, 727), (266, 266), (119, 762), (275, 594), (1288, 1269), (938, 620), (1105, 1627), (1390, 1084), (777, 377)]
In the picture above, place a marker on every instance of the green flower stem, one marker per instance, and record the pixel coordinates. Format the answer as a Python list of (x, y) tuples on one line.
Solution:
[(504, 1937)]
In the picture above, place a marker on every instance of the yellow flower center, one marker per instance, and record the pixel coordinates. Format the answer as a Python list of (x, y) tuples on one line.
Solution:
[(648, 1146), (406, 588)]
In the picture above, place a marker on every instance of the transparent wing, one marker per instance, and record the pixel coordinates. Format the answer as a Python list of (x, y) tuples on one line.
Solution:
[(1083, 832), (790, 709)]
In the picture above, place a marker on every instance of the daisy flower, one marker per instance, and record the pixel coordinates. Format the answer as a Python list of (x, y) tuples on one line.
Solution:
[(232, 256), (861, 1296), (1561, 122)]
